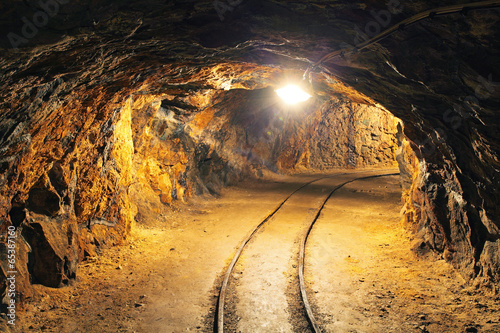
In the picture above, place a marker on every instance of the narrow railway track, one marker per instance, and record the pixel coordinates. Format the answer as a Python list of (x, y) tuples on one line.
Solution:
[(221, 302)]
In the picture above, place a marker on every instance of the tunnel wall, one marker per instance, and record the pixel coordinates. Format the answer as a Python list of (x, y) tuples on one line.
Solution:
[(255, 132), (447, 214), (342, 134), (79, 167)]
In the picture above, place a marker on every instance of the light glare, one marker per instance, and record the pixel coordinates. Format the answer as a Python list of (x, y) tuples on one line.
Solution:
[(292, 94)]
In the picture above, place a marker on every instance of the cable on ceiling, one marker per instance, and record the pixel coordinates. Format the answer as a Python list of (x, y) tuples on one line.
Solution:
[(463, 8)]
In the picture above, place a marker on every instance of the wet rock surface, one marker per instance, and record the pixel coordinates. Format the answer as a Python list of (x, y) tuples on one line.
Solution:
[(112, 110)]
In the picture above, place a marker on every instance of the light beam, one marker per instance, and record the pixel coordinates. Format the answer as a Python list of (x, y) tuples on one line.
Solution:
[(292, 94)]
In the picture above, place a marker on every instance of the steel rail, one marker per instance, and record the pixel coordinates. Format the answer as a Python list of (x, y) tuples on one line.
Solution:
[(222, 293), (303, 292), (219, 315)]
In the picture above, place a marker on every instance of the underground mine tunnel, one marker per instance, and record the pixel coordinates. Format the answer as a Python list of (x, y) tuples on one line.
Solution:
[(156, 177)]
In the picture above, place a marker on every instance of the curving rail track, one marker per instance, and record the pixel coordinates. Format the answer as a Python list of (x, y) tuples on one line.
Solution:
[(221, 303)]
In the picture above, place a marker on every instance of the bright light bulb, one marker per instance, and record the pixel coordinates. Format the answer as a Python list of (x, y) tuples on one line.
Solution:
[(292, 94)]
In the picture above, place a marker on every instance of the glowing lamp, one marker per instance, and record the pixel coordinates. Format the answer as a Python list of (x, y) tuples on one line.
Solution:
[(292, 94)]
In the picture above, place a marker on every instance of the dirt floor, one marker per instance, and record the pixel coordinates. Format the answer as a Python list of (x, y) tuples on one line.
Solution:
[(360, 271), (362, 278)]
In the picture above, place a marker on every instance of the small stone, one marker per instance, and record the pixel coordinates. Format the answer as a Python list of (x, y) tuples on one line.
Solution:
[(138, 305), (119, 267)]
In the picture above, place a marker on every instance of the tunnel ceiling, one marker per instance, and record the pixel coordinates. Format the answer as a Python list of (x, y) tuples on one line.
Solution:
[(106, 97)]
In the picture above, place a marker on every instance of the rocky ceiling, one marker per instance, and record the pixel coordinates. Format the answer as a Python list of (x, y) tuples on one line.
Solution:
[(109, 108)]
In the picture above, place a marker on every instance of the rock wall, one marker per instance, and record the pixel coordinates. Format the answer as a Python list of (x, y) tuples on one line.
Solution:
[(80, 163), (254, 131), (342, 134), (436, 193)]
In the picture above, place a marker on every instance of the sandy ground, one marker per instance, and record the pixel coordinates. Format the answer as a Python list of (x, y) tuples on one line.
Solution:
[(360, 271), (362, 277), (259, 288)]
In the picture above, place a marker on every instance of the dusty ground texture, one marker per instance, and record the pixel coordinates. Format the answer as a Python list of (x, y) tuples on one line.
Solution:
[(362, 278), (163, 279)]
